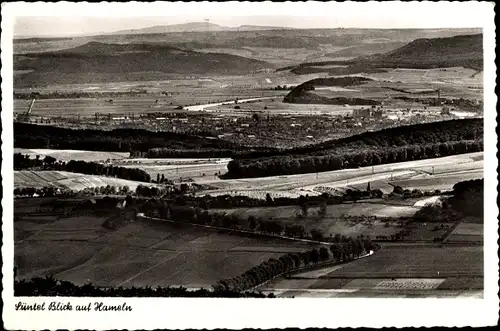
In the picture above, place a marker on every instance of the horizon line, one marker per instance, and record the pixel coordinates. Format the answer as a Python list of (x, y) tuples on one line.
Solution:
[(275, 28)]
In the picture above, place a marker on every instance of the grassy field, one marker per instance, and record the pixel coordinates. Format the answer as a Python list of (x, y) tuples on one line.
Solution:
[(76, 155), (448, 171), (337, 219), (70, 180), (467, 232), (176, 172), (417, 261), (406, 272), (143, 253), (443, 182)]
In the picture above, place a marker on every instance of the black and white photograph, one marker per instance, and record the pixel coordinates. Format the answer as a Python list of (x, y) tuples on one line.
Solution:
[(191, 153)]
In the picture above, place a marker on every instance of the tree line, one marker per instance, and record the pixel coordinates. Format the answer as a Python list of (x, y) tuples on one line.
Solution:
[(32, 136), (346, 249), (50, 287), (288, 165), (23, 162), (51, 191), (159, 208), (300, 164)]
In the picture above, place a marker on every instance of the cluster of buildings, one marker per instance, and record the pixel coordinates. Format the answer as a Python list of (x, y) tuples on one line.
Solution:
[(375, 112)]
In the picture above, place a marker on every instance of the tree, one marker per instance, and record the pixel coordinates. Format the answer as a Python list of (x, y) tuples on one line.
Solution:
[(397, 190), (49, 160), (255, 117), (317, 234), (337, 252), (324, 254), (322, 209), (305, 209), (184, 188), (315, 255), (269, 199), (252, 222)]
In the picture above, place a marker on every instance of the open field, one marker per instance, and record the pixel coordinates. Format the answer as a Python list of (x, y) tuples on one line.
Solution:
[(143, 253), (467, 232), (140, 104), (452, 83), (178, 169), (409, 271), (70, 180), (417, 261), (76, 155), (277, 106), (341, 219), (412, 174), (281, 56)]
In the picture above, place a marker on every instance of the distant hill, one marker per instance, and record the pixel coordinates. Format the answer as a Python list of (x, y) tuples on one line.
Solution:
[(303, 92), (186, 27), (101, 62), (194, 27), (465, 50), (424, 53), (367, 49), (254, 36)]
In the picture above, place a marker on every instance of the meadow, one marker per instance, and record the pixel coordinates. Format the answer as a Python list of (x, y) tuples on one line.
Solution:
[(407, 271), (142, 253), (69, 180), (76, 155), (374, 219)]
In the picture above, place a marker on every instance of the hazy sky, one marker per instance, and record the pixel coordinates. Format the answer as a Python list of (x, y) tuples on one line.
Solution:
[(38, 19), (34, 26)]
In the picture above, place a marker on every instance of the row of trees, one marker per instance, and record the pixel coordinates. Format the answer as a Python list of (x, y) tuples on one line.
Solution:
[(93, 168), (50, 287), (195, 215), (47, 191), (22, 161), (299, 164), (50, 191), (89, 168), (288, 263)]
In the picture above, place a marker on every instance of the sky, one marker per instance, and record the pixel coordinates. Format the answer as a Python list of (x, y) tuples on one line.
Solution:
[(53, 19)]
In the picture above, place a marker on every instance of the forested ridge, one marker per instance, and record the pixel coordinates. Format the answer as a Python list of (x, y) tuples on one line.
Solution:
[(442, 131), (117, 140), (301, 93), (406, 143)]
